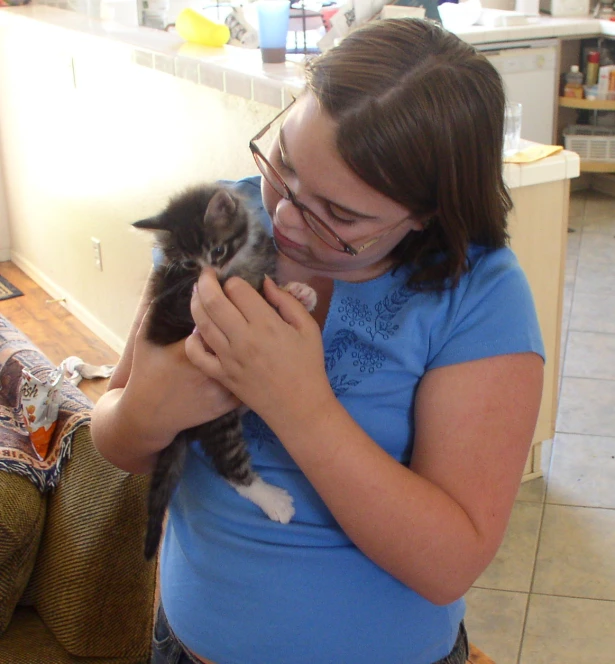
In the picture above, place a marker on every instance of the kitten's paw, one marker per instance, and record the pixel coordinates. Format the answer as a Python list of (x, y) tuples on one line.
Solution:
[(302, 292), (274, 501)]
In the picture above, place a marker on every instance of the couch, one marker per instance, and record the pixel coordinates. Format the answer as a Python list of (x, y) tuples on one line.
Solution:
[(74, 584)]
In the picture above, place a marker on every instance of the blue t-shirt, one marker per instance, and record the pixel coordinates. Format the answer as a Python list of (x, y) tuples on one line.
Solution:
[(241, 589)]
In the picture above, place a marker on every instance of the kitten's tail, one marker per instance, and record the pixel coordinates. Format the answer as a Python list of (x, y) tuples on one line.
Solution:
[(164, 479)]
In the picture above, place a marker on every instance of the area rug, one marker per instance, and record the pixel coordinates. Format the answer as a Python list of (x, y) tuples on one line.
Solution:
[(7, 290)]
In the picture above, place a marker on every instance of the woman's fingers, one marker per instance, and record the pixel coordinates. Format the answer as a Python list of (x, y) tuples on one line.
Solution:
[(200, 356), (287, 305)]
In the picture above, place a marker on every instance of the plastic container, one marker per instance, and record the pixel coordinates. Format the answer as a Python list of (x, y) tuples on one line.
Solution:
[(197, 29), (574, 83), (591, 91), (591, 142)]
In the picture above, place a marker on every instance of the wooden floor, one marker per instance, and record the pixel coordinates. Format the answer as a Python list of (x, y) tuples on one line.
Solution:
[(53, 329)]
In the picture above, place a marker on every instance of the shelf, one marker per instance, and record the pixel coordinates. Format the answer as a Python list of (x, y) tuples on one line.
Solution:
[(588, 166), (587, 104)]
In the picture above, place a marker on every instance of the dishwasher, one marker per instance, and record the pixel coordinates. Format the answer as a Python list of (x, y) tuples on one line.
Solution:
[(529, 70)]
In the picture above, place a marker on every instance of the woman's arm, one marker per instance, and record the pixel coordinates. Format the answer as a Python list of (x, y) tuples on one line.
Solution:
[(436, 526), (155, 392)]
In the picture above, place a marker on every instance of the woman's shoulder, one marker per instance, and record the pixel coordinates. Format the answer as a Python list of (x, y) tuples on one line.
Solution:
[(490, 312)]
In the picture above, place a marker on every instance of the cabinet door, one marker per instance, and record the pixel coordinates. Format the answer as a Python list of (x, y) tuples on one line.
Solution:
[(538, 227)]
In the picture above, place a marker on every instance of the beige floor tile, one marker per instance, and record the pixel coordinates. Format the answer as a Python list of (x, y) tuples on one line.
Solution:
[(597, 248), (563, 630), (575, 225), (582, 471), (534, 491), (592, 312), (603, 225), (574, 242), (590, 355), (577, 204), (598, 204), (576, 553), (595, 278), (513, 565), (495, 621), (586, 406)]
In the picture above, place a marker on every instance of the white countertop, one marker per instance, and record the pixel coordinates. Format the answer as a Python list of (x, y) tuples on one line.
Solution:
[(240, 71)]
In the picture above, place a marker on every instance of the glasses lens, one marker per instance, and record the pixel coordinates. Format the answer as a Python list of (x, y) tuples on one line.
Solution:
[(323, 232), (271, 175), (316, 225)]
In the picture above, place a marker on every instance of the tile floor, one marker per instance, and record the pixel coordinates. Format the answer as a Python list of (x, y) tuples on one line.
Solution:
[(549, 595)]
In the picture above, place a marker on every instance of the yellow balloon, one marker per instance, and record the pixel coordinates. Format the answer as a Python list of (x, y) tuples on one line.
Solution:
[(195, 28)]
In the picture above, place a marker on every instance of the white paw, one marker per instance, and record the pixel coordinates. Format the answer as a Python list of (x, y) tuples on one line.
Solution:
[(274, 501), (302, 292)]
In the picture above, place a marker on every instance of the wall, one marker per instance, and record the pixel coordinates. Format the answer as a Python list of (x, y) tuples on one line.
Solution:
[(92, 142), (5, 235)]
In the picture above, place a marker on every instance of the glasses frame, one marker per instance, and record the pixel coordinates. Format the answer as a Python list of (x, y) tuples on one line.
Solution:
[(306, 213)]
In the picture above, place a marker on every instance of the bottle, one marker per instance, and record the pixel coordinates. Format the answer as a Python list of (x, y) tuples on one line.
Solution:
[(593, 67), (574, 83)]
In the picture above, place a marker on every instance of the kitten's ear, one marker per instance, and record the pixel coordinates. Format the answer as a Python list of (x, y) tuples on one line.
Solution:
[(221, 205), (151, 224)]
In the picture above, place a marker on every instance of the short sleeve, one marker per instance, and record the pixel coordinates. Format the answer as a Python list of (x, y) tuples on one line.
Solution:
[(491, 313)]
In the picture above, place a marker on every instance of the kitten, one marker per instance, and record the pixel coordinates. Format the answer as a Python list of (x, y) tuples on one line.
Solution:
[(208, 225)]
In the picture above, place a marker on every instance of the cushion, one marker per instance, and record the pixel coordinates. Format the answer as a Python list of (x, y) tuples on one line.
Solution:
[(91, 586), (28, 641), (22, 517)]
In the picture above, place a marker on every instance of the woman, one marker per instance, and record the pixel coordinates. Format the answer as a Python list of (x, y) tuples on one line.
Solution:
[(399, 415)]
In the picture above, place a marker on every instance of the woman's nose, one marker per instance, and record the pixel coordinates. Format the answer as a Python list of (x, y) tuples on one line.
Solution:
[(289, 214)]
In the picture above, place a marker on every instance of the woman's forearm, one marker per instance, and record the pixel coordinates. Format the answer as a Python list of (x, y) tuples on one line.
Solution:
[(121, 438), (401, 521)]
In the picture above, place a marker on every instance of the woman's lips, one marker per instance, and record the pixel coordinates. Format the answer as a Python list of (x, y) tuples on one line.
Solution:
[(282, 240)]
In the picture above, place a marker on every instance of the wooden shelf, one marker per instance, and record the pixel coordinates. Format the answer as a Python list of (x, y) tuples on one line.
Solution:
[(588, 166), (587, 104)]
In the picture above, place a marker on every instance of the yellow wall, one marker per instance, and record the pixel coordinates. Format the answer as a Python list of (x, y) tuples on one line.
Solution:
[(92, 142)]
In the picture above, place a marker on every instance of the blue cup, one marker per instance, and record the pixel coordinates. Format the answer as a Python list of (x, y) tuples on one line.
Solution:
[(273, 17)]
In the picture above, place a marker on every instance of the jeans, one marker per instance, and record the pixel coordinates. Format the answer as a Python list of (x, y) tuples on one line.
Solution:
[(167, 648)]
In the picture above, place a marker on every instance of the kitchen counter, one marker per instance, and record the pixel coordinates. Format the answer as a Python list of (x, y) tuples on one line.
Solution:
[(240, 72)]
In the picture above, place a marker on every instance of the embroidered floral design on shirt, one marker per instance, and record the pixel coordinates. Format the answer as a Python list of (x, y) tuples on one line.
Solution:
[(353, 312), (378, 320), (386, 310), (367, 358), (342, 341)]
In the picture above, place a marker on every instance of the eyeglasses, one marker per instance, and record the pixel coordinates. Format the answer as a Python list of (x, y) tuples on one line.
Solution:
[(313, 221)]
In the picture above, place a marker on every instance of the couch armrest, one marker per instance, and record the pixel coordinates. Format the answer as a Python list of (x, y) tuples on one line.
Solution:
[(91, 585), (22, 518)]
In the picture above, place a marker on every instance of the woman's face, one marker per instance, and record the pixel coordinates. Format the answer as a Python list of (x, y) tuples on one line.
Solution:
[(307, 159)]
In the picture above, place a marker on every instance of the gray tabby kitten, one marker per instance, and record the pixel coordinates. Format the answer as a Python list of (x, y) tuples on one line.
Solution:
[(208, 225)]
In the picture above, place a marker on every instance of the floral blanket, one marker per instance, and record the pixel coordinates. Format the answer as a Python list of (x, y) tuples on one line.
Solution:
[(17, 452)]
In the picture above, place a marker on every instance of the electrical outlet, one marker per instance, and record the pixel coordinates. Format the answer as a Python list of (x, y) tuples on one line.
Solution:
[(97, 254)]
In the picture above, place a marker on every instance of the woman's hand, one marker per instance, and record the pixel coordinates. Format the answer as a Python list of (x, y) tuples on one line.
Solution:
[(156, 393), (267, 358), (167, 392)]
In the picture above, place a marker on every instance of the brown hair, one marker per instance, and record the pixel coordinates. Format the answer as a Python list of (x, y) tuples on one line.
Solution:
[(420, 118)]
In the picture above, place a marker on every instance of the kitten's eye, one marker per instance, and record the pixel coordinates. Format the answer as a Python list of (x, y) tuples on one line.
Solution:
[(218, 252), (189, 264)]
